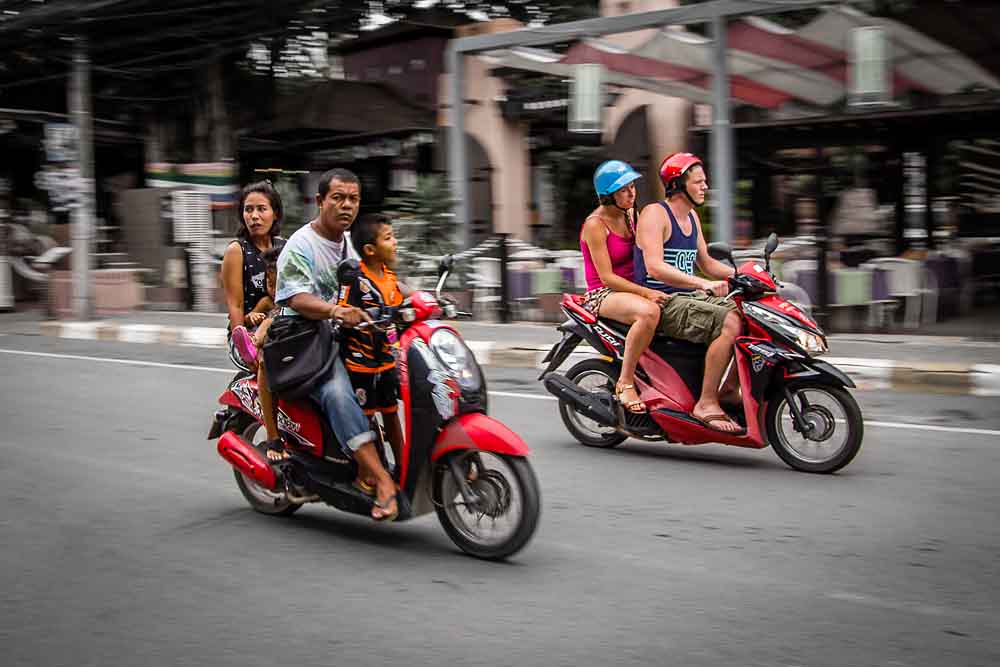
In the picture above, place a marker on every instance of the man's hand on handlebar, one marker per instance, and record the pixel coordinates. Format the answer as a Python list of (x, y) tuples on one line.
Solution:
[(717, 287), (349, 316)]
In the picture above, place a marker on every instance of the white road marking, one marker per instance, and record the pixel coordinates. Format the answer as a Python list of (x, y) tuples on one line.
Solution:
[(502, 394)]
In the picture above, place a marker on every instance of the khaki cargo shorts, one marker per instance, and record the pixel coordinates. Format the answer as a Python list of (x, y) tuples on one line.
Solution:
[(694, 316)]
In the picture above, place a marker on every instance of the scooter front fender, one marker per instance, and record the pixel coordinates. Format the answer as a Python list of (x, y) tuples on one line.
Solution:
[(478, 431)]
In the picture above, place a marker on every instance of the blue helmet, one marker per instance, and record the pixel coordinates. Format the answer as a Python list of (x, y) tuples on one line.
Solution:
[(612, 176)]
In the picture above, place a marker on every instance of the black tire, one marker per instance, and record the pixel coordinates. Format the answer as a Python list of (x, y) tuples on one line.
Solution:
[(572, 420), (852, 420), (445, 490), (260, 499)]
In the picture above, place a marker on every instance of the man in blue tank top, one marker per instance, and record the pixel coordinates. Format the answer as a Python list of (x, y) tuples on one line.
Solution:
[(669, 245)]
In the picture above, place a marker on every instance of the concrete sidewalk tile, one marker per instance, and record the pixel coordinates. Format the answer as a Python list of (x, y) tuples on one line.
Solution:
[(867, 374), (170, 336), (202, 336), (482, 350), (942, 378), (79, 330), (986, 380), (140, 333)]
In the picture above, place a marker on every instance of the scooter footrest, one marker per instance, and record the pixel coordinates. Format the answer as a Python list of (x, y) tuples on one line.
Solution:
[(641, 424)]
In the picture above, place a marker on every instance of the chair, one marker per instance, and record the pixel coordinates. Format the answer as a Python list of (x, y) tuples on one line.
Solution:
[(850, 289), (485, 283), (905, 283), (882, 302)]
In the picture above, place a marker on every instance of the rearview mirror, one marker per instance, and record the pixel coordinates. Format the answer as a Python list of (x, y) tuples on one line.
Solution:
[(445, 264), (769, 247), (348, 271), (721, 251), (772, 244)]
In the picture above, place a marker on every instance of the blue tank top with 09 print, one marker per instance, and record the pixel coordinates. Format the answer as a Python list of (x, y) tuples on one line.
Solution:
[(679, 251)]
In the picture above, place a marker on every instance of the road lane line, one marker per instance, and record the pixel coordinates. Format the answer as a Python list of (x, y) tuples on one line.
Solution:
[(127, 362), (501, 394)]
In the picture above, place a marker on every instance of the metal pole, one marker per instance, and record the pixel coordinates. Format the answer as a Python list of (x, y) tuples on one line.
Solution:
[(722, 137), (6, 282), (505, 315), (458, 159), (82, 229), (822, 312)]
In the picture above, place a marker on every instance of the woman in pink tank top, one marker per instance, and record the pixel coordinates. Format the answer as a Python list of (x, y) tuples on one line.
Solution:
[(607, 241)]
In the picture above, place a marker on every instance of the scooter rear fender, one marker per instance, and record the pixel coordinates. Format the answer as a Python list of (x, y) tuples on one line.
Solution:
[(478, 431)]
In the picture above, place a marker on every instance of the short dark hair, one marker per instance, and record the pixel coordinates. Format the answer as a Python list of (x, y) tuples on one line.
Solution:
[(270, 258), (365, 230), (265, 188), (342, 175)]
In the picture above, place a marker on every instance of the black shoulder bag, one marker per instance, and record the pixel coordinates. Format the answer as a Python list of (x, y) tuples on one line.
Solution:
[(299, 353)]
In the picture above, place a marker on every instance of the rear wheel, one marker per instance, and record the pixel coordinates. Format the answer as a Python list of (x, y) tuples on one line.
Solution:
[(261, 499), (593, 375), (836, 428), (507, 504)]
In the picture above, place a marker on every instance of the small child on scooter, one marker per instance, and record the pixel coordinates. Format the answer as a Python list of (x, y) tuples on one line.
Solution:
[(248, 346), (370, 353)]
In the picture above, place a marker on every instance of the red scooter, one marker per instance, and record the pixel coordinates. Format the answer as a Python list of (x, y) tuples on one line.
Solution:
[(790, 399), (455, 460)]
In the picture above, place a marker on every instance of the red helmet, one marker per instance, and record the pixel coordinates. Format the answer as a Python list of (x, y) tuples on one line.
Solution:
[(673, 167)]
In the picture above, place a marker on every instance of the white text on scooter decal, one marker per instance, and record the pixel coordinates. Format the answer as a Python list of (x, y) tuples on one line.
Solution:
[(608, 337)]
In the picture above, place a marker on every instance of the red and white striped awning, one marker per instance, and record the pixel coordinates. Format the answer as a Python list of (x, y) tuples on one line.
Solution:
[(770, 66)]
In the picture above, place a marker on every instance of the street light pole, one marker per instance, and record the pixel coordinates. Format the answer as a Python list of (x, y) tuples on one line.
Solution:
[(722, 137), (82, 220), (458, 159)]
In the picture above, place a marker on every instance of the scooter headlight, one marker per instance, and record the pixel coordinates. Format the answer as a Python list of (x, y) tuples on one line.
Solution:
[(812, 343), (457, 358)]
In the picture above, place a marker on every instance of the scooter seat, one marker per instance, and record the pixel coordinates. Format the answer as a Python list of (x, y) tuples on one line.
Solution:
[(663, 344)]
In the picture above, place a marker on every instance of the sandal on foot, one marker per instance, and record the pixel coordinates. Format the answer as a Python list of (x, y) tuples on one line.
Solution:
[(631, 406), (708, 420), (364, 487), (275, 451), (386, 504)]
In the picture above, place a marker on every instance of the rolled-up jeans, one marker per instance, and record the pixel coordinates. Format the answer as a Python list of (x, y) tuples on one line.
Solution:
[(336, 397)]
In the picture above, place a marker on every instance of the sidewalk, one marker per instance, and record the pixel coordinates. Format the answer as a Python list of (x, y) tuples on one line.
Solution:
[(939, 364)]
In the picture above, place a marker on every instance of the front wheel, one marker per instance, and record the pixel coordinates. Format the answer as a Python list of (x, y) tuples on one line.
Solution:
[(507, 503), (836, 428), (261, 499)]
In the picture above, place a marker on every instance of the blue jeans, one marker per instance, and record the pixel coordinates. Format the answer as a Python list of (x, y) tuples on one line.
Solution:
[(336, 397)]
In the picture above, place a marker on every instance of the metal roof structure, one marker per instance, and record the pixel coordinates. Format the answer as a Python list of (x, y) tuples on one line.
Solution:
[(746, 61)]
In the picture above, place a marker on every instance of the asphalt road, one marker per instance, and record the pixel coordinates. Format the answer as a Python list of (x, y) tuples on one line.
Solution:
[(126, 542)]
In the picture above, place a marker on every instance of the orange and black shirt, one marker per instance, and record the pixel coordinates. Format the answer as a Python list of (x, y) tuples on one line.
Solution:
[(369, 350)]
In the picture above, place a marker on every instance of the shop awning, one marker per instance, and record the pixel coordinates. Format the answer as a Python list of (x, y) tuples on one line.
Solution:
[(770, 65)]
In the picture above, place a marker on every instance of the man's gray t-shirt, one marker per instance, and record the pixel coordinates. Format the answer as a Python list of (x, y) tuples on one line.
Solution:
[(308, 264)]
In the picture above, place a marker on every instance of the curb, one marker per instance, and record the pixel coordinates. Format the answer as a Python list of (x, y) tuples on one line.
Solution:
[(870, 374)]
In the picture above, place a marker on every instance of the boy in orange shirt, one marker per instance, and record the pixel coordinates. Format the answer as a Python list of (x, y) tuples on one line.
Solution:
[(370, 353)]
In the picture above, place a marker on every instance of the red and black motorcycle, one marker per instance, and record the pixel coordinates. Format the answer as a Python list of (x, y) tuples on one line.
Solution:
[(455, 460), (792, 401)]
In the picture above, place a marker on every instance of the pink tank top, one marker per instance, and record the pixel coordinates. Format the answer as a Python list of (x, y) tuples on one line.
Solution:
[(620, 251)]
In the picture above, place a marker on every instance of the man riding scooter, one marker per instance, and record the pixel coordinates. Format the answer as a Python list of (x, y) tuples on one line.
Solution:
[(669, 244)]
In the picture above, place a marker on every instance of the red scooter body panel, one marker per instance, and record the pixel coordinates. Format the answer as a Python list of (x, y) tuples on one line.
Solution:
[(757, 271), (298, 418), (775, 302), (478, 431), (687, 432), (246, 459), (667, 389)]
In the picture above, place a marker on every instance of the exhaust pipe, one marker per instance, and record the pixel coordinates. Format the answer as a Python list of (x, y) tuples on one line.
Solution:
[(244, 458), (598, 406)]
